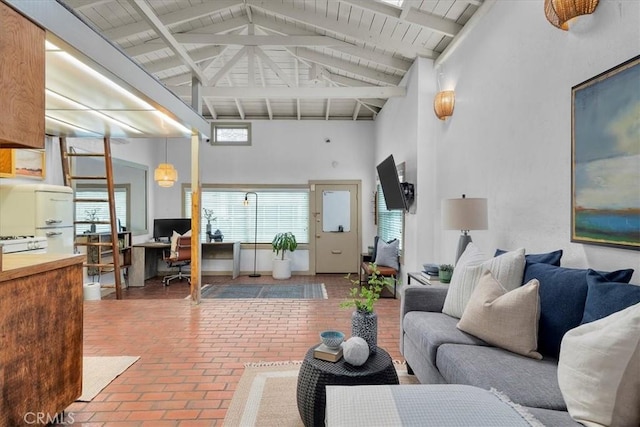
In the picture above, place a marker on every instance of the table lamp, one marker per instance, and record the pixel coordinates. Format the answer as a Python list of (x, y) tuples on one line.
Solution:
[(464, 214)]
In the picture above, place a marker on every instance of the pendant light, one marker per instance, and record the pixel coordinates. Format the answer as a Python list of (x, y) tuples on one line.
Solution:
[(165, 174)]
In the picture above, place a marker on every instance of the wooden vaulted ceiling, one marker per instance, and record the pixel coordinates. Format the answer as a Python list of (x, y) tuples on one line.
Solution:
[(281, 59)]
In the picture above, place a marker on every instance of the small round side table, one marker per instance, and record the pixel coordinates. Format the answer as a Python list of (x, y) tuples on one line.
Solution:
[(316, 374)]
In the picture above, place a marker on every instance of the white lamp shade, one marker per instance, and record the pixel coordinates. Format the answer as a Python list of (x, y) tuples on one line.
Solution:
[(165, 175), (464, 214)]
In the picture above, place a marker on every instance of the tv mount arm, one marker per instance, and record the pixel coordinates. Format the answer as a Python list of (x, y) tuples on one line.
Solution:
[(409, 192)]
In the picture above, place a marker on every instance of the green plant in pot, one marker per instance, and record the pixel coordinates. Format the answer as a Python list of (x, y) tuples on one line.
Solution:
[(282, 243), (445, 271), (364, 321)]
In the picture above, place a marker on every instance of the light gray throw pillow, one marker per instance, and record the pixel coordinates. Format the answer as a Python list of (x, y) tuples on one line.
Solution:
[(387, 254)]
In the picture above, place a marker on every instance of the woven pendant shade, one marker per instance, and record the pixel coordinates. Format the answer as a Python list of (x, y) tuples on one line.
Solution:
[(444, 103), (560, 12), (165, 175)]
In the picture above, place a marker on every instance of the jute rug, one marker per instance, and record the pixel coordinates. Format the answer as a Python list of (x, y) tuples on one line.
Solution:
[(266, 395), (288, 291), (98, 372)]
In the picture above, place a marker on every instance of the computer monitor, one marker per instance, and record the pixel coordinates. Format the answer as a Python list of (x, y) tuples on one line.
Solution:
[(163, 228)]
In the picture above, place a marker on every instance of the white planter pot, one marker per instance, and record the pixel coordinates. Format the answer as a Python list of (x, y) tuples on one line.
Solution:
[(91, 291), (281, 269)]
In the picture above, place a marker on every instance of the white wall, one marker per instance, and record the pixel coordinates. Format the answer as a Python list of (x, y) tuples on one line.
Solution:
[(509, 139), (282, 152)]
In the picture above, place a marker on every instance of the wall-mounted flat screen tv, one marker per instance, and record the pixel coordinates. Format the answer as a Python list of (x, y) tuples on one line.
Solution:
[(395, 193)]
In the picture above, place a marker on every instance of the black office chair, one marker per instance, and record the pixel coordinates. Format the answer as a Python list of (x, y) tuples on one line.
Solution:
[(180, 258)]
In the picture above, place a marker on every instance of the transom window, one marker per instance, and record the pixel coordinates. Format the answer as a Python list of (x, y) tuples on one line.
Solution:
[(279, 210), (231, 133)]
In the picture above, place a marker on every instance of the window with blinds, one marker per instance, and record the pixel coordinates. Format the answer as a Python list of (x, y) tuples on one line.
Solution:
[(99, 211), (279, 210), (390, 223)]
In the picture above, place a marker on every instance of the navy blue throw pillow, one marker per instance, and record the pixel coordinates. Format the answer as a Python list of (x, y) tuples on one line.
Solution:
[(563, 293), (552, 258), (605, 297)]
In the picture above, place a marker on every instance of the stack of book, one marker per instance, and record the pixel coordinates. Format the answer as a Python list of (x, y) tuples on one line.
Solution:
[(323, 352), (430, 275)]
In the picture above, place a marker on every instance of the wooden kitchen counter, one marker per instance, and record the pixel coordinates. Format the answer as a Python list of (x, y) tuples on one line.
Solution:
[(41, 329)]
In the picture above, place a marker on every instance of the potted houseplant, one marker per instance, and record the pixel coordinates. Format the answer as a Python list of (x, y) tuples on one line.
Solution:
[(283, 242), (445, 271), (208, 214), (364, 321), (92, 215)]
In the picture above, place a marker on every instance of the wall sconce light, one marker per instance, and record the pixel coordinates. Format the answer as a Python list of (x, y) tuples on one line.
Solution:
[(165, 174), (560, 12), (444, 103)]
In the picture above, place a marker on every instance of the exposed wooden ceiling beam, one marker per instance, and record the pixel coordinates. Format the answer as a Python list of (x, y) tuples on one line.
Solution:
[(173, 18), (294, 92), (376, 57), (155, 45), (274, 67), (222, 72), (346, 66), (248, 40), (145, 11), (411, 14), (327, 24), (197, 55)]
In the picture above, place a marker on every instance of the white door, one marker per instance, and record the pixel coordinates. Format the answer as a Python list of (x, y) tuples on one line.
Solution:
[(337, 228)]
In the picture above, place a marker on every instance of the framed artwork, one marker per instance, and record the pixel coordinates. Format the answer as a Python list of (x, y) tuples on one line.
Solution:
[(605, 166), (29, 164), (7, 163)]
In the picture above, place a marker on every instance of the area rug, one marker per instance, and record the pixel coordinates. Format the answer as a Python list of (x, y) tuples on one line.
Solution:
[(288, 291), (98, 372), (266, 395)]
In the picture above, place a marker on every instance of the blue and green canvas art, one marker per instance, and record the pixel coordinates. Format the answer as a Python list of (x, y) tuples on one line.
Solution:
[(606, 158)]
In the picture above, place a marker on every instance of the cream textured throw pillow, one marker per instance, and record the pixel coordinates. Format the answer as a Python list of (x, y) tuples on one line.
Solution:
[(174, 242), (506, 319), (508, 269), (599, 370)]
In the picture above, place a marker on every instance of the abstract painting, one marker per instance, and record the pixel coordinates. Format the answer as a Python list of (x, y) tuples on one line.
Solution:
[(606, 158)]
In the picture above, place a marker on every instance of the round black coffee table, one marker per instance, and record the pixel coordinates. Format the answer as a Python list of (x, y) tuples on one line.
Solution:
[(316, 374)]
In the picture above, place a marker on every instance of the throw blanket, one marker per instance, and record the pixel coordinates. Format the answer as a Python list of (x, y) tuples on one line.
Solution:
[(441, 405)]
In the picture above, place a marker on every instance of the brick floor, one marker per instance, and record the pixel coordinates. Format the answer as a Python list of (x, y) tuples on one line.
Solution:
[(192, 356)]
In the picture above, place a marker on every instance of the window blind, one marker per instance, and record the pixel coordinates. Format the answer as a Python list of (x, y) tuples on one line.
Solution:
[(390, 223), (102, 209), (278, 211)]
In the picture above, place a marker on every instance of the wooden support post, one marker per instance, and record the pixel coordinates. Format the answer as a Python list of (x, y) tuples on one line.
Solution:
[(196, 208)]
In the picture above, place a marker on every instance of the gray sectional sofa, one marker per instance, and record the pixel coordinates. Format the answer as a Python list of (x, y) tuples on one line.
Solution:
[(437, 352)]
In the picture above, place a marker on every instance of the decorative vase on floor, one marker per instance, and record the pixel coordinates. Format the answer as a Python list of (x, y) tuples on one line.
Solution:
[(365, 326)]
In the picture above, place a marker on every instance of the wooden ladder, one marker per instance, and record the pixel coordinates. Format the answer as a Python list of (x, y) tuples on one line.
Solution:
[(69, 179)]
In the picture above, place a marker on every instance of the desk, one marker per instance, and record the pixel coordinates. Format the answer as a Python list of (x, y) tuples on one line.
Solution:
[(145, 256)]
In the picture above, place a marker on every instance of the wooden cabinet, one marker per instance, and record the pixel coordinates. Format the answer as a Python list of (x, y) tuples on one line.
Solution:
[(41, 329), (99, 251), (22, 81)]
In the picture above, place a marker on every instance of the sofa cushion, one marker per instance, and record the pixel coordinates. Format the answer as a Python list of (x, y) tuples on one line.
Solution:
[(552, 258), (429, 330), (507, 269), (563, 292), (528, 382), (549, 417), (599, 368), (508, 320), (605, 297)]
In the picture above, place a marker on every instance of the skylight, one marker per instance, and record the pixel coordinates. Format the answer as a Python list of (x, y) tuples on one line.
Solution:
[(397, 3)]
